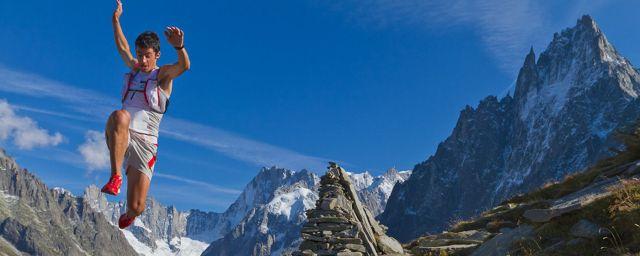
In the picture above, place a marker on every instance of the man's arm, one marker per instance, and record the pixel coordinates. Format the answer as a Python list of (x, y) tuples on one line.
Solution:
[(121, 41), (175, 36)]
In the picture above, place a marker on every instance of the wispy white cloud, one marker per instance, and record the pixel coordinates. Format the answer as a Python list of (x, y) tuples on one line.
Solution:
[(188, 194), (208, 186), (52, 113), (23, 131), (507, 28), (237, 147), (56, 154), (94, 151), (510, 28), (96, 106), (80, 100), (193, 192)]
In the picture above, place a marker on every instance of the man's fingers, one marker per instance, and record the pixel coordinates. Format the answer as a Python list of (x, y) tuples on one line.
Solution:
[(177, 31), (171, 31), (119, 7)]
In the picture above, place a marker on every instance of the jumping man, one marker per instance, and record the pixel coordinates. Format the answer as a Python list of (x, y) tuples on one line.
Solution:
[(132, 132)]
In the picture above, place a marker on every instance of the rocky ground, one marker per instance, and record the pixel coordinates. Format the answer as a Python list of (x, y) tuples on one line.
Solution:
[(594, 212)]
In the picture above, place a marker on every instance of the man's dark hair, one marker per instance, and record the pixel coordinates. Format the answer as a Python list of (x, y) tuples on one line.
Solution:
[(148, 39)]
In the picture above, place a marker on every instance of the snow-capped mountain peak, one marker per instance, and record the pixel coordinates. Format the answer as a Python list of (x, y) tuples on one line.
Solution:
[(360, 180), (375, 191)]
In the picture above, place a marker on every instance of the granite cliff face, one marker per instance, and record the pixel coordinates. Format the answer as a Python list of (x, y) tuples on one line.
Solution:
[(35, 220), (560, 120)]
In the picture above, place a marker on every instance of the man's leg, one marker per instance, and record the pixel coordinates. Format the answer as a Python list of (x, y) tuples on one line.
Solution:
[(137, 188), (117, 133)]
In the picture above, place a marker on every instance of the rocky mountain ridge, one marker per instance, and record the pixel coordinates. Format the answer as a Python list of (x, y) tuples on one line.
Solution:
[(560, 120), (593, 212), (36, 220)]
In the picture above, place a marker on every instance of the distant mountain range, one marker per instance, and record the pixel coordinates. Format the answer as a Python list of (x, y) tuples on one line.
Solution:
[(266, 219)]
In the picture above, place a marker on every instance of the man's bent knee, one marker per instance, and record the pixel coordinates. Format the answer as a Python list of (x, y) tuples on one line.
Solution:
[(137, 207), (121, 118)]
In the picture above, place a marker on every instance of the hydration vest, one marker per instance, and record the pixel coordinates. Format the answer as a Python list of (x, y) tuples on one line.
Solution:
[(155, 98)]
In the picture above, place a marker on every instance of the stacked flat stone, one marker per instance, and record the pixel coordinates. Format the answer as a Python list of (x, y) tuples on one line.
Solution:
[(340, 225)]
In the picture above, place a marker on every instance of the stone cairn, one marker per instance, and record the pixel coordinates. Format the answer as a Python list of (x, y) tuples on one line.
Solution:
[(340, 225)]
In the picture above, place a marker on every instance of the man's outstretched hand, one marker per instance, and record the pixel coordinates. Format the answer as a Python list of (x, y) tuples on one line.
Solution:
[(118, 11), (175, 36)]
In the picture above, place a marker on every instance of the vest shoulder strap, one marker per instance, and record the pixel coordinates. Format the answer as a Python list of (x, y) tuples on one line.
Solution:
[(154, 74), (129, 78)]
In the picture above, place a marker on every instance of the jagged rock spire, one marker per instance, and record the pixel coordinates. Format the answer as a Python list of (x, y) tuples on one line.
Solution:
[(588, 23), (583, 48), (528, 75), (530, 60)]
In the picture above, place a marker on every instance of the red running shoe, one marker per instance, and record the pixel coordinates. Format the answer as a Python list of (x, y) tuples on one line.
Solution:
[(125, 221), (113, 186)]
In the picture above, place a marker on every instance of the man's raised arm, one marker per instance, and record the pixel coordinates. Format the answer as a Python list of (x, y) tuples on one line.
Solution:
[(175, 36), (121, 41)]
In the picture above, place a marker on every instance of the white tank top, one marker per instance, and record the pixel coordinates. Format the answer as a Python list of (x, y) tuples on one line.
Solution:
[(143, 119)]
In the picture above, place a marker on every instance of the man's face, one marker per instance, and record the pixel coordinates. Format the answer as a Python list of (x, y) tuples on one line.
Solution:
[(147, 58)]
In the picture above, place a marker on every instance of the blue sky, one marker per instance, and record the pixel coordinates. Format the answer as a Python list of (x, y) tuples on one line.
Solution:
[(370, 84)]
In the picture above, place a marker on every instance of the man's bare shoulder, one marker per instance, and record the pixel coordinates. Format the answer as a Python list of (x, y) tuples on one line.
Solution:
[(169, 71)]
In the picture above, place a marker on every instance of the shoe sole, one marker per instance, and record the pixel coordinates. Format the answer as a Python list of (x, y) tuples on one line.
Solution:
[(109, 192), (124, 227)]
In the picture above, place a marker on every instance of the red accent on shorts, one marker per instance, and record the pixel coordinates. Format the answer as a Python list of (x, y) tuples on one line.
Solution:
[(152, 162)]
